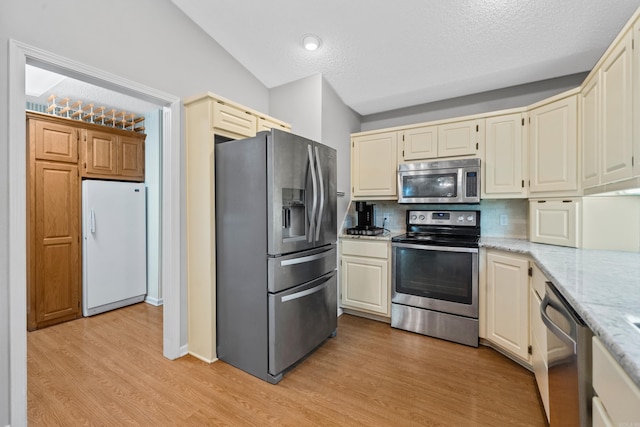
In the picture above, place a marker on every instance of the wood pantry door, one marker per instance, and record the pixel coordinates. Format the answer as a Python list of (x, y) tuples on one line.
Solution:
[(55, 290)]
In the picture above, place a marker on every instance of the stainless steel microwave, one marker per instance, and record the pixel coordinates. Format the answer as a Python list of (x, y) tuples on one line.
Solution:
[(448, 181)]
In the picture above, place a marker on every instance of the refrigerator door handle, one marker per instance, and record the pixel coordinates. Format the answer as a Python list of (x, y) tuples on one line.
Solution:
[(312, 218), (92, 222), (320, 181)]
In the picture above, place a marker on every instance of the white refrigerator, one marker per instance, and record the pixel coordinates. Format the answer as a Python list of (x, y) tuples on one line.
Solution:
[(114, 265)]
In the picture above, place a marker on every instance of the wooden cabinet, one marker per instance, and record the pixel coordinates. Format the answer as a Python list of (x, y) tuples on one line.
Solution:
[(110, 155), (507, 303), (553, 147), (420, 143), (53, 231), (504, 163), (460, 138), (374, 166), (365, 276), (617, 397), (555, 221)]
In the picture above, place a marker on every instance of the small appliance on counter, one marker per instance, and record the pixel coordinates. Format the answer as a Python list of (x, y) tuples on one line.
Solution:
[(365, 226)]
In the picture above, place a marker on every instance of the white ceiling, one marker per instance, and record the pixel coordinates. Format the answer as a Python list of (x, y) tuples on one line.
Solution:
[(381, 55)]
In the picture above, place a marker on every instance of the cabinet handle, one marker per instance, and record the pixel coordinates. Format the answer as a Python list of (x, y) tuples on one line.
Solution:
[(566, 201), (542, 201)]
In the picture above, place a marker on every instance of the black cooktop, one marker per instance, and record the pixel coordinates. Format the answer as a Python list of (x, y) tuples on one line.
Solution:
[(454, 241), (460, 229)]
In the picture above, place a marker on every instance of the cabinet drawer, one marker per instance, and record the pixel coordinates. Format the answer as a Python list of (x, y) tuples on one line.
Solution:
[(555, 222), (234, 120), (619, 395), (365, 248)]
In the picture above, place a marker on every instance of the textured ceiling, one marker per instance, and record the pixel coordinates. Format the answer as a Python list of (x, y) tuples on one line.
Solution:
[(381, 55)]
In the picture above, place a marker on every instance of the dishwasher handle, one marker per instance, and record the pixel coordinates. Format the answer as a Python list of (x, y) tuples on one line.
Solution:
[(555, 329)]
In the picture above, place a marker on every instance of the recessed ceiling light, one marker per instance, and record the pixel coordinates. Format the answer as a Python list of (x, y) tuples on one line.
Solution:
[(311, 42)]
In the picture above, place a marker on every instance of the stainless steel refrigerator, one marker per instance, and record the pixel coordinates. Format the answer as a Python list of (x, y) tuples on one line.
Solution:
[(276, 231)]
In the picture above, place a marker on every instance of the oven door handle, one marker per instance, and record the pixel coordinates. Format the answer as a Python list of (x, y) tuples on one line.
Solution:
[(433, 248)]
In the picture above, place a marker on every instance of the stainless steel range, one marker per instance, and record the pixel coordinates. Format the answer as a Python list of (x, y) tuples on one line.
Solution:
[(435, 275)]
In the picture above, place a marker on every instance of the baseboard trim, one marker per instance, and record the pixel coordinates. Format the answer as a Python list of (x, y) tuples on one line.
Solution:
[(204, 359), (366, 315), (505, 353), (154, 301), (184, 350)]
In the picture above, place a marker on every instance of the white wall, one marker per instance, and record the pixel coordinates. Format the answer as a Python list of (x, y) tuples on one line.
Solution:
[(300, 104), (153, 180), (147, 41)]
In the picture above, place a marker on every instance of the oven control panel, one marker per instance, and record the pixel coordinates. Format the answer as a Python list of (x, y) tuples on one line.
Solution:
[(456, 218)]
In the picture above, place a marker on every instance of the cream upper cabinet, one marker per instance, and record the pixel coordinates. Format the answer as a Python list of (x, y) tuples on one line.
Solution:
[(460, 138), (419, 143), (373, 165), (553, 147), (617, 103), (590, 125), (234, 120), (636, 100), (555, 221), (508, 303), (268, 124), (504, 158), (365, 276)]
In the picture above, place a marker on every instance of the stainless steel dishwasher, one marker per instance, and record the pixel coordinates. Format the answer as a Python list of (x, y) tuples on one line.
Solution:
[(569, 361)]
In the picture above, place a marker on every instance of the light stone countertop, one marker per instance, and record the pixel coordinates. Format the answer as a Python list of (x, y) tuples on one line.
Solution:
[(603, 287)]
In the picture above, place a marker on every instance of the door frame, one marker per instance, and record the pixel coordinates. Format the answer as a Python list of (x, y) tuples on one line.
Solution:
[(172, 243)]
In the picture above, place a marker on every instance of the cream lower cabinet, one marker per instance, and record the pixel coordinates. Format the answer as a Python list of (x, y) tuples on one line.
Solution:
[(507, 303), (617, 398), (539, 336), (365, 276), (374, 163), (504, 163)]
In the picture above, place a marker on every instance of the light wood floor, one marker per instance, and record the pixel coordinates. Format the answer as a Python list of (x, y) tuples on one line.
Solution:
[(108, 370)]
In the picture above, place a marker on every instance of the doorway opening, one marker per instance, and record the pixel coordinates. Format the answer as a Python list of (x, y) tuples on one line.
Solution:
[(20, 55)]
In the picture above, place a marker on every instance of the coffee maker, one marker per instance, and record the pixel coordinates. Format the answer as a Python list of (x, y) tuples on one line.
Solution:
[(366, 217)]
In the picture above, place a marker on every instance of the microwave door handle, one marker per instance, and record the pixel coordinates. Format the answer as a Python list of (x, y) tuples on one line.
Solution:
[(321, 185), (312, 215)]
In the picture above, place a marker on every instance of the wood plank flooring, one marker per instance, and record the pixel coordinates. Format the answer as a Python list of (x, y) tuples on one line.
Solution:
[(109, 370)]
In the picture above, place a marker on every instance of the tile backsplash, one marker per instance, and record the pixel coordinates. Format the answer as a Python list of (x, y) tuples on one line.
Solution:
[(513, 212)]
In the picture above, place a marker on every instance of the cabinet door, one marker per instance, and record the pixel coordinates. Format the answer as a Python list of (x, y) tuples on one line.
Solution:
[(617, 103), (365, 284), (591, 136), (503, 160), (553, 147), (54, 141), (555, 222), (54, 288), (266, 124), (636, 100), (373, 165), (420, 143), (539, 336), (459, 138), (131, 157), (234, 120), (508, 303), (100, 157)]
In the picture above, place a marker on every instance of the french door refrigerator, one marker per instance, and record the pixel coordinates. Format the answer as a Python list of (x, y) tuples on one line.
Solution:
[(114, 272), (276, 231)]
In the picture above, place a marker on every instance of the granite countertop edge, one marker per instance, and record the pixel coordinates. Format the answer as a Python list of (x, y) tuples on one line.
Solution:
[(603, 287)]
